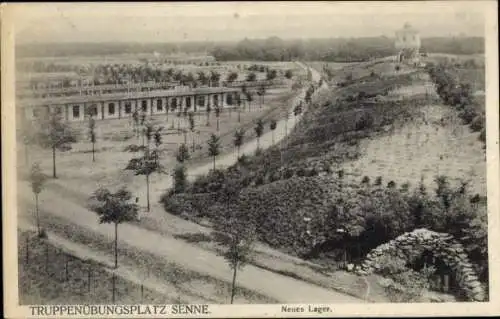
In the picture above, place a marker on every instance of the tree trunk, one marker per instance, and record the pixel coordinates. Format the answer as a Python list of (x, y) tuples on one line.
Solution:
[(272, 136), (27, 250), (258, 142), (233, 285), (208, 119), (147, 190), (116, 252), (93, 152), (114, 284), (46, 257), (54, 175), (193, 142), (37, 216), (238, 147), (26, 151), (239, 114), (214, 163), (217, 123)]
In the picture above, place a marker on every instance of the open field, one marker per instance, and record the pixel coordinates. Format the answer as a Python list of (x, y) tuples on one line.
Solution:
[(419, 150)]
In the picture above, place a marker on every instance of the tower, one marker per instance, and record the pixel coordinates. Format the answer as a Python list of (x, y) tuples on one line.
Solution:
[(408, 44)]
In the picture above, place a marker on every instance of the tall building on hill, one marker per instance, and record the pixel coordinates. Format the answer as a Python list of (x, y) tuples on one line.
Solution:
[(408, 44)]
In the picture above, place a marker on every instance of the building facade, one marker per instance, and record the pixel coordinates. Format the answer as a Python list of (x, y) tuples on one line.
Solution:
[(408, 44), (123, 105)]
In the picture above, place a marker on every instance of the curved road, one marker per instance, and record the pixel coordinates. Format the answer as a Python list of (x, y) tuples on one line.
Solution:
[(282, 288)]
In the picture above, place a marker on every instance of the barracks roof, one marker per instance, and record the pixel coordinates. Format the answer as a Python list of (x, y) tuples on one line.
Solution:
[(122, 96)]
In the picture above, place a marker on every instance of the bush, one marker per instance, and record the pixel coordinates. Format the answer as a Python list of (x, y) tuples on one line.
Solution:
[(365, 180), (364, 122), (405, 187), (288, 173), (482, 135), (259, 180), (180, 179), (468, 114), (134, 148), (301, 172), (478, 123), (391, 184), (378, 181)]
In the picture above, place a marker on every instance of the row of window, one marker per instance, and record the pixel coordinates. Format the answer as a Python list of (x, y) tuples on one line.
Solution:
[(128, 106)]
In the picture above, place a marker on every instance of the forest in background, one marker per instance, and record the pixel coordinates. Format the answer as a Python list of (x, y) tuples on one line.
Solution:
[(269, 49)]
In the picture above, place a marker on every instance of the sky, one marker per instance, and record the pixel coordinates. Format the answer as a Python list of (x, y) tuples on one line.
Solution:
[(232, 21)]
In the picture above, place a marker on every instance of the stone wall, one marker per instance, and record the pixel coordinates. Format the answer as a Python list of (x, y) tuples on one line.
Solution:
[(412, 244)]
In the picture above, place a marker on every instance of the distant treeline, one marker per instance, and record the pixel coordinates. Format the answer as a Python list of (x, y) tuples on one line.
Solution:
[(270, 49), (337, 50)]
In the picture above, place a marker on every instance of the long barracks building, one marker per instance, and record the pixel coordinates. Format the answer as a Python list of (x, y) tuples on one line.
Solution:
[(123, 104)]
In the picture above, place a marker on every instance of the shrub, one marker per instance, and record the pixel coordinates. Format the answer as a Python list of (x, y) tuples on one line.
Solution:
[(365, 180), (477, 123), (378, 181), (134, 148), (340, 174), (301, 172), (391, 184), (364, 122), (482, 135), (405, 187), (288, 173), (259, 180), (180, 179), (43, 233)]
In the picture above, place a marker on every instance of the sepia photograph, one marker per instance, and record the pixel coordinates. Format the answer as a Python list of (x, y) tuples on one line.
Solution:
[(165, 159)]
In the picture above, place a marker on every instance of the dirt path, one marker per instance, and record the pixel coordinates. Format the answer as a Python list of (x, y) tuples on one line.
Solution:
[(282, 288)]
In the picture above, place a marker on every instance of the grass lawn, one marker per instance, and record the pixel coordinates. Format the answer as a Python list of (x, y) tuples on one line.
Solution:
[(48, 275)]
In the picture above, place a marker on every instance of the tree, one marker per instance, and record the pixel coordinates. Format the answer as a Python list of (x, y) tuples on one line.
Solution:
[(114, 208), (37, 179), (214, 78), (192, 126), (231, 77), (249, 98), (217, 115), (209, 109), (289, 74), (202, 78), (271, 74), (145, 165), (135, 117), (55, 134), (182, 154), (259, 129), (180, 179), (261, 92), (238, 103), (148, 134), (237, 234), (158, 142), (251, 77), (28, 138), (92, 136), (272, 126), (238, 140), (173, 107), (213, 146)]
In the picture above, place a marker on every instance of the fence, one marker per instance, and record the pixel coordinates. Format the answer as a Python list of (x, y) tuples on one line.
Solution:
[(62, 277)]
